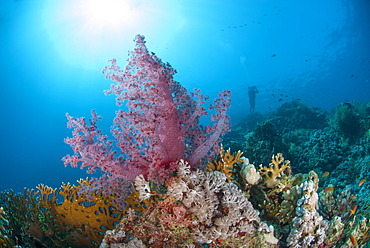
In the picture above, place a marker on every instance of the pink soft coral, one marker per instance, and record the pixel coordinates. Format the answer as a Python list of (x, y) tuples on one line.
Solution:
[(159, 126)]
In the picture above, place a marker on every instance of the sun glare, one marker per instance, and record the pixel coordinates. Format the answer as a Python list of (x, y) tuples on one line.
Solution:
[(88, 31), (108, 12)]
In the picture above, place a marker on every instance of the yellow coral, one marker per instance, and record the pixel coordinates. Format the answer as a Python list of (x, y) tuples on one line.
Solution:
[(277, 169), (225, 163), (134, 202), (91, 217)]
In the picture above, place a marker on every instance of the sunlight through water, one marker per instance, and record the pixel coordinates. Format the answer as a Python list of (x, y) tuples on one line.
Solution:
[(89, 32)]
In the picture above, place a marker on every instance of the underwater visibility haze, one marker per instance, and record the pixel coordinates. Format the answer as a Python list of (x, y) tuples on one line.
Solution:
[(269, 99)]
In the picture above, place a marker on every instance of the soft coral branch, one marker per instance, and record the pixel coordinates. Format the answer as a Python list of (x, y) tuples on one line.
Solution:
[(93, 150), (159, 127)]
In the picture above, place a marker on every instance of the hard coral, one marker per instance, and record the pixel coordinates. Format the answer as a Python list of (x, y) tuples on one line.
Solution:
[(5, 233), (277, 169), (308, 228), (225, 163), (49, 217), (89, 217)]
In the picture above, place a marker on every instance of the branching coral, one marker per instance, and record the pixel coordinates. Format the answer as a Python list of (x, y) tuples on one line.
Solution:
[(277, 169), (159, 126), (307, 218), (359, 232), (225, 163), (278, 204), (335, 204), (26, 220), (6, 239)]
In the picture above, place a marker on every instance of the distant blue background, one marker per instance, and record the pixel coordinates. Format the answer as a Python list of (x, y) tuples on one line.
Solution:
[(52, 53)]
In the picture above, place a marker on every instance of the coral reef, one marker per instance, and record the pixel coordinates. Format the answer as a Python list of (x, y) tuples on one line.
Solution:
[(265, 139), (156, 192), (203, 208), (329, 149), (320, 147), (199, 208), (60, 217), (264, 206), (347, 120), (296, 115)]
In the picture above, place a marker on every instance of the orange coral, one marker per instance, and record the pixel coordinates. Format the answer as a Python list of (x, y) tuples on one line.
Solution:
[(134, 202), (225, 163), (277, 169), (89, 217)]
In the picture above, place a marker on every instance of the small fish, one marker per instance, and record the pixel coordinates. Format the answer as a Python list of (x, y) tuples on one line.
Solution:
[(353, 240), (353, 197), (285, 188), (331, 188), (353, 210), (280, 100), (362, 182), (325, 174), (274, 55)]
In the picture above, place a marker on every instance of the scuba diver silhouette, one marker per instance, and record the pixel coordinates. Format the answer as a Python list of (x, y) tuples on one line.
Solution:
[(252, 91)]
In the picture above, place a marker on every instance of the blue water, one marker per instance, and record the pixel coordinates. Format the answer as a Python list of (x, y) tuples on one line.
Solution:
[(52, 53)]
